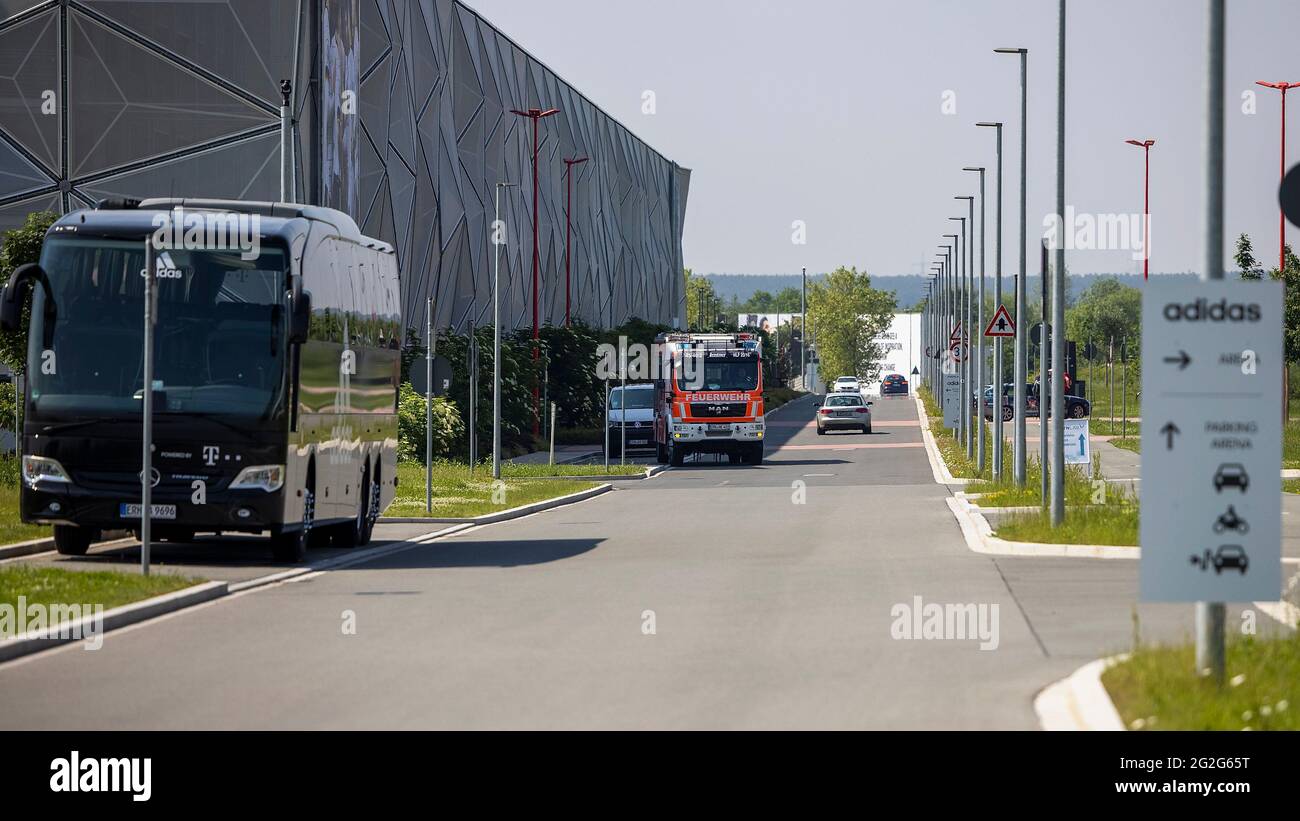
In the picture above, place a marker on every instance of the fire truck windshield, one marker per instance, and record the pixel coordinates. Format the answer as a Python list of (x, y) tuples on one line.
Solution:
[(719, 375)]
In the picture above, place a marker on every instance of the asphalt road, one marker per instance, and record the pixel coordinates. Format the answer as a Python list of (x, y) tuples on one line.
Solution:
[(771, 590)]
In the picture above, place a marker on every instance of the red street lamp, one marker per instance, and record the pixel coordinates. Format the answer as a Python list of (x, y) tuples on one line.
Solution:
[(1145, 145), (568, 200), (535, 114), (1281, 219)]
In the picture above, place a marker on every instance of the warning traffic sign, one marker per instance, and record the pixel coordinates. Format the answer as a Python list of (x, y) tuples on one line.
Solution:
[(1001, 324), (957, 335)]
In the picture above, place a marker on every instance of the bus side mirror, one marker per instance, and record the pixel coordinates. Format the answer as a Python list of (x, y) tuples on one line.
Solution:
[(15, 296), (299, 314)]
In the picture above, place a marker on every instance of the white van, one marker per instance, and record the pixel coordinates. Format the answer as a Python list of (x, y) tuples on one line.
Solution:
[(637, 420)]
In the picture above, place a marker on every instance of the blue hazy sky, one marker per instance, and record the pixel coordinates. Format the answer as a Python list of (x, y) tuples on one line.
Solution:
[(830, 112)]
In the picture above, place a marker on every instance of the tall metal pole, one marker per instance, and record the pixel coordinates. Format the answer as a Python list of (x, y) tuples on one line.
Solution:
[(498, 241), (803, 329), (959, 286), (428, 406), (536, 115), (978, 332), (1044, 343), (146, 433), (286, 142), (1021, 348), (1058, 292), (998, 436), (1211, 616), (972, 336)]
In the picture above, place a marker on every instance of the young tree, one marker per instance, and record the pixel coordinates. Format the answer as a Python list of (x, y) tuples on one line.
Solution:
[(848, 314), (1245, 258)]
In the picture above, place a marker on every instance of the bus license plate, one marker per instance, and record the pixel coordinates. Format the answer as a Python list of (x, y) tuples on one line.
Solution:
[(128, 510)]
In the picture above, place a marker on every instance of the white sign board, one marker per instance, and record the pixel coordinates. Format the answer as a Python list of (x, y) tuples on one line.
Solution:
[(1211, 526), (1075, 441), (951, 400)]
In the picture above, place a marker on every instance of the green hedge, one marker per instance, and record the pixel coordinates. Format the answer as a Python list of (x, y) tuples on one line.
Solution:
[(448, 429)]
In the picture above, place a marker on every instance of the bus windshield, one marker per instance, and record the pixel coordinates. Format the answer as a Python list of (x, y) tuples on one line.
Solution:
[(219, 341)]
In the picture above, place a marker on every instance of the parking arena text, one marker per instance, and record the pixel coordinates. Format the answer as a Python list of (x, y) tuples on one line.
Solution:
[(953, 622), (63, 621), (208, 231), (77, 774)]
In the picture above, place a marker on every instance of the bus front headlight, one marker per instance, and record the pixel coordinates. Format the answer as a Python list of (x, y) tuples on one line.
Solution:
[(260, 477), (42, 469)]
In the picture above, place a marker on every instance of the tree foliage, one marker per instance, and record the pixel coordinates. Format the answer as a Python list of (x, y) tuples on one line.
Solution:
[(846, 315), (1107, 309), (21, 246)]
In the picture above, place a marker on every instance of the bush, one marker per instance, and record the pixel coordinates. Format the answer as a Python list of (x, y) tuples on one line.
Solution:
[(19, 247), (448, 429)]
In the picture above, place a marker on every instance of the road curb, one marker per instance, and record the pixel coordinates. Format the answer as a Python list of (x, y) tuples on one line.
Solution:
[(504, 515), (1080, 701), (938, 467), (27, 548), (980, 539), (114, 619)]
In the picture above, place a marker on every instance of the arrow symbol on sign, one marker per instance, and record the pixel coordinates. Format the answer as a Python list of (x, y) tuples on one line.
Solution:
[(1170, 430), (1182, 360), (1083, 444)]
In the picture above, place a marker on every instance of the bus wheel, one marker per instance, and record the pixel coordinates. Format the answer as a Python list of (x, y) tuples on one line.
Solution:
[(348, 535), (372, 508), (73, 541), (291, 546)]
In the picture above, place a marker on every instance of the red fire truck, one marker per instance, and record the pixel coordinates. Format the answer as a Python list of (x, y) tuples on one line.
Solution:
[(709, 397)]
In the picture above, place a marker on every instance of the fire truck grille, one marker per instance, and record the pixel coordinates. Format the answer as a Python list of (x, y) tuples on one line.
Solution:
[(699, 409)]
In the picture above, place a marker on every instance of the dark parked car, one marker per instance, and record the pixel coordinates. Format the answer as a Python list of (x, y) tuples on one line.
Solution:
[(894, 384), (1076, 407)]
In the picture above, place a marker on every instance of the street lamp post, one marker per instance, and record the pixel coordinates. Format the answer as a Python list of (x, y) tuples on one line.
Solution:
[(568, 201), (971, 333), (963, 301), (1021, 352), (803, 329), (997, 301), (535, 114), (979, 332), (1145, 145), (1281, 218), (498, 239), (952, 297), (1057, 402)]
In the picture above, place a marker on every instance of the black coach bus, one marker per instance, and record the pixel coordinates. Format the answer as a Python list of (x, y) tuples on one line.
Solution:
[(276, 368)]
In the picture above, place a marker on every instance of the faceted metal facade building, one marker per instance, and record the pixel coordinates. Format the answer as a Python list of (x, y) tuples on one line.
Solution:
[(402, 118)]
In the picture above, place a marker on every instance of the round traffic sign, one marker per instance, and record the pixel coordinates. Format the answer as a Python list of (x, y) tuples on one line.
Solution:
[(1288, 195)]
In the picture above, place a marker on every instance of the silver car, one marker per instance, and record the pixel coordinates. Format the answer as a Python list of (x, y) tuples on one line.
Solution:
[(844, 411)]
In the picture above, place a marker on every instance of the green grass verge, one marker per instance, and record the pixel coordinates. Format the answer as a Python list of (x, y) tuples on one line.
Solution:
[(1291, 485), (1157, 688), (456, 494), (1291, 442), (953, 449), (1132, 443), (1104, 427), (50, 585), (1112, 524), (524, 470), (1079, 489), (1099, 392), (11, 527)]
